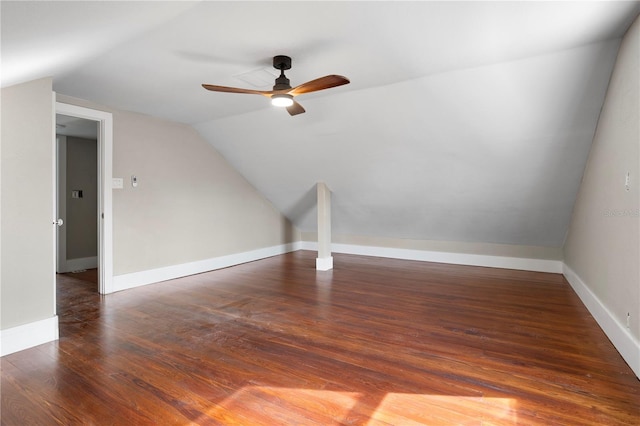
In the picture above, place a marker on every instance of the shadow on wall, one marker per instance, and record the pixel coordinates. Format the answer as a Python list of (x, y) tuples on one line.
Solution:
[(289, 232), (303, 206)]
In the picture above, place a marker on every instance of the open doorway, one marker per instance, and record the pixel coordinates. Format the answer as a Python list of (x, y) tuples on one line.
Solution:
[(78, 190), (83, 146)]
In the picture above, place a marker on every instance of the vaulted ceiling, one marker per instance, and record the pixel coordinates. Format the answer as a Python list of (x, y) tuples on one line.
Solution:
[(464, 121)]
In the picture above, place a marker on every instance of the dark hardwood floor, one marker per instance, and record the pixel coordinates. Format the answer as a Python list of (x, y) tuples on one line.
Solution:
[(373, 342)]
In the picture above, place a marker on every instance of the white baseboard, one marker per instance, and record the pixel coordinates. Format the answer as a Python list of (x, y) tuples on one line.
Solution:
[(622, 339), (82, 263), (70, 265), (137, 279), (26, 336), (525, 264)]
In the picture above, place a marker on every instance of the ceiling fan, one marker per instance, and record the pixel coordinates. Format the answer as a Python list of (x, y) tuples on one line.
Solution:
[(283, 94)]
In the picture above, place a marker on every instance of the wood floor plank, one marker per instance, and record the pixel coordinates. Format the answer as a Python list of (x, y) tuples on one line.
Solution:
[(373, 342)]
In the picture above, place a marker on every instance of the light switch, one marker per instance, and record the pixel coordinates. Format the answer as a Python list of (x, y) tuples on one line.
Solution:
[(117, 183)]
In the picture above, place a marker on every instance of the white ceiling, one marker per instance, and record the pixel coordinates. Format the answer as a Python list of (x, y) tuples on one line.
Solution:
[(465, 121)]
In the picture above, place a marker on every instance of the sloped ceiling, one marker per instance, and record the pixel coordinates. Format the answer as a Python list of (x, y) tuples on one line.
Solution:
[(462, 122)]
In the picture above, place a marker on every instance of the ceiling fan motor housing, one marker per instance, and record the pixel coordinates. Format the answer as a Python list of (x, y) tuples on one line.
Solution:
[(282, 63)]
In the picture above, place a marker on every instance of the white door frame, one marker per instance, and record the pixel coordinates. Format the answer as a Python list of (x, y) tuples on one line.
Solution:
[(105, 174)]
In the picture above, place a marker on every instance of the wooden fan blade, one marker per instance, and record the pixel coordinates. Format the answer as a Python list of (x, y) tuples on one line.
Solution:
[(226, 89), (321, 83), (295, 109)]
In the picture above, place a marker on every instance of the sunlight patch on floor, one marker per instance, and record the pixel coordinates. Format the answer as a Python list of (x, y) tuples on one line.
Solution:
[(279, 405), (276, 405), (416, 409)]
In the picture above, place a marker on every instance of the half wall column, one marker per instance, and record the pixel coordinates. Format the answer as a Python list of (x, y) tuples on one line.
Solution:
[(324, 261)]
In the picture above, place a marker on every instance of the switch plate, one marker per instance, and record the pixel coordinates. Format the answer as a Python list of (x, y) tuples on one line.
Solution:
[(117, 183)]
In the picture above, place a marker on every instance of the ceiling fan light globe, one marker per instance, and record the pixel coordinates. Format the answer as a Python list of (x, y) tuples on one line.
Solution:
[(282, 100)]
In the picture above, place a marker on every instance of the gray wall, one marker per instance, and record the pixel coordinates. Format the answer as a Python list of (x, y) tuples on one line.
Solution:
[(82, 213), (27, 251), (603, 243)]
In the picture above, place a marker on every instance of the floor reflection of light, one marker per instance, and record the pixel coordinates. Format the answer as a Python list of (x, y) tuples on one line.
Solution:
[(263, 402), (323, 294), (444, 409), (266, 404)]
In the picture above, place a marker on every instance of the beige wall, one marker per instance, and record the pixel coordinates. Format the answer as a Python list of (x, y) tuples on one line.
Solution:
[(27, 277), (81, 225), (189, 205), (603, 243)]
